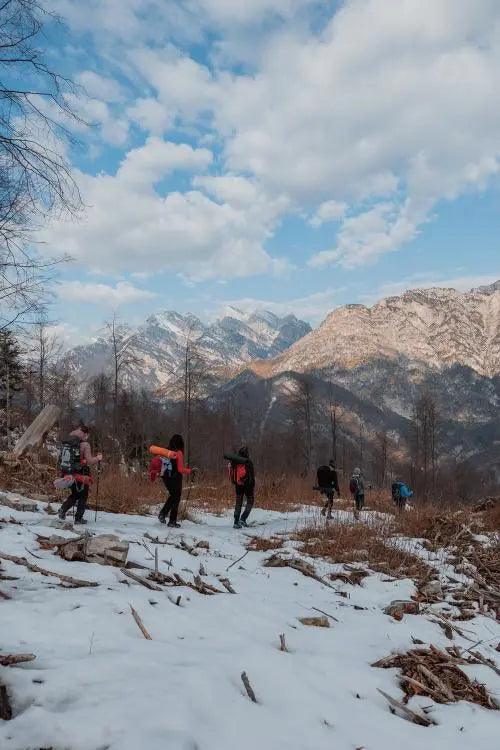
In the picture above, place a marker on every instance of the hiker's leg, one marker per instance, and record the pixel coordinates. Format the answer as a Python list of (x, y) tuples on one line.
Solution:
[(81, 501), (360, 501), (70, 500), (248, 507), (175, 500), (237, 505), (329, 504)]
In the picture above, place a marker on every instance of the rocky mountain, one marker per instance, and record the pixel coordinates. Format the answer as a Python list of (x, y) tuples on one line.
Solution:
[(375, 362), (157, 347), (435, 328)]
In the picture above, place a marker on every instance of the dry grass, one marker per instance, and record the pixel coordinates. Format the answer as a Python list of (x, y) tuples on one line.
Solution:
[(262, 544), (364, 542)]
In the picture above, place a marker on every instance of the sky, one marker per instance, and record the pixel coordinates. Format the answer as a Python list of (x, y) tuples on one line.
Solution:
[(288, 154)]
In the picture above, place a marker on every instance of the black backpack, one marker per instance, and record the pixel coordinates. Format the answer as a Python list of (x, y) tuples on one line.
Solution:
[(324, 476), (69, 456)]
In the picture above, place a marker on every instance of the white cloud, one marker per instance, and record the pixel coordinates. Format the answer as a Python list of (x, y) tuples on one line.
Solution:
[(94, 112), (122, 293), (100, 87), (363, 238), (328, 211), (128, 226), (157, 158), (151, 115)]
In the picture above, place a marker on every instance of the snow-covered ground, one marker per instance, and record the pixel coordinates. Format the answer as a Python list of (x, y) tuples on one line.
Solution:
[(98, 683)]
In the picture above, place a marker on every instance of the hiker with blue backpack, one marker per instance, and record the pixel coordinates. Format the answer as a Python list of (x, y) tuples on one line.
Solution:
[(401, 492)]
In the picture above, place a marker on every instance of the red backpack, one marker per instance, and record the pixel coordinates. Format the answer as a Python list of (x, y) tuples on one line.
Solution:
[(236, 473)]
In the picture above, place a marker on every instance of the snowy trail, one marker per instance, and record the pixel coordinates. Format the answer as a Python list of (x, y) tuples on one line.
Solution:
[(97, 683)]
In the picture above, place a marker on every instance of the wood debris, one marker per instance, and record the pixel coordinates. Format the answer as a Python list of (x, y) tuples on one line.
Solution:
[(248, 687), (34, 436), (140, 623), (308, 570), (437, 674), (10, 660), (316, 622), (68, 581)]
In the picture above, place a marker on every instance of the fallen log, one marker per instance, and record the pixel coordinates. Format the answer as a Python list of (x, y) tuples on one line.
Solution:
[(26, 506), (317, 622), (72, 582), (9, 660), (34, 436), (308, 570)]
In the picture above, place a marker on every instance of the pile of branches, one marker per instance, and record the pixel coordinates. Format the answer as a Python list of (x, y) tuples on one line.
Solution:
[(481, 564), (28, 474), (437, 674)]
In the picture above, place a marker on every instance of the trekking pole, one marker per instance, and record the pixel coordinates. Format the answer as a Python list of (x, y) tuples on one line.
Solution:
[(97, 490)]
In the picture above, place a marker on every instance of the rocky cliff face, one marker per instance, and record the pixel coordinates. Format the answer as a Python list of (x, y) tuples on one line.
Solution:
[(428, 327)]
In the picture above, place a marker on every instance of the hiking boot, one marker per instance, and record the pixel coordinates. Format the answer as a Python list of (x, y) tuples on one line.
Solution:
[(80, 521), (244, 524), (323, 510), (237, 525), (174, 525), (162, 519)]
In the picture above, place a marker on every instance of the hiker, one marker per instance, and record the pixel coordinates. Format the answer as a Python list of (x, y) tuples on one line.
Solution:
[(328, 483), (171, 471), (401, 492), (242, 475), (357, 488), (74, 463)]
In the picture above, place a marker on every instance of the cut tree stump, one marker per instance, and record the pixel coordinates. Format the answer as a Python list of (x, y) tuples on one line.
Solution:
[(5, 707), (248, 687), (34, 436)]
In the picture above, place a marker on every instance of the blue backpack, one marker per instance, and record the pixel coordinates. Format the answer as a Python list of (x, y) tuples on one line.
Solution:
[(404, 491)]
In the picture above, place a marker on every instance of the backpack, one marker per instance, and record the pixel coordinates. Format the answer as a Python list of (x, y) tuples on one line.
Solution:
[(324, 476), (237, 473), (405, 491), (70, 461), (353, 485)]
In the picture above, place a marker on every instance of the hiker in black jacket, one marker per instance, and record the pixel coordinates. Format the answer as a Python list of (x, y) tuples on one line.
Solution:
[(242, 475), (328, 484)]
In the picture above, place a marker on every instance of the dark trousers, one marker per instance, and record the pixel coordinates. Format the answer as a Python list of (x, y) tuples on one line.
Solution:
[(171, 507), (328, 502), (242, 493), (79, 495), (360, 500)]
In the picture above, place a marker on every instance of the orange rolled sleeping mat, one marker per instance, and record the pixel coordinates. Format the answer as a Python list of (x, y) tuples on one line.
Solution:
[(157, 450)]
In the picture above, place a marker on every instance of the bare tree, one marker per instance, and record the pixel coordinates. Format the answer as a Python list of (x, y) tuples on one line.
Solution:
[(425, 443), (302, 404), (45, 351), (122, 358), (35, 177)]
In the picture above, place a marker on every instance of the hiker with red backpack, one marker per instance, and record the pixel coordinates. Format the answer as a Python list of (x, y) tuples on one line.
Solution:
[(75, 460), (168, 463), (242, 475)]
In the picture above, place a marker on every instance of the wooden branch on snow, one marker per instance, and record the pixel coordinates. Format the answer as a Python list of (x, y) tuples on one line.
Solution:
[(140, 623), (139, 579), (5, 596), (227, 584), (73, 582), (413, 716), (248, 687), (237, 561), (283, 643), (10, 660)]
